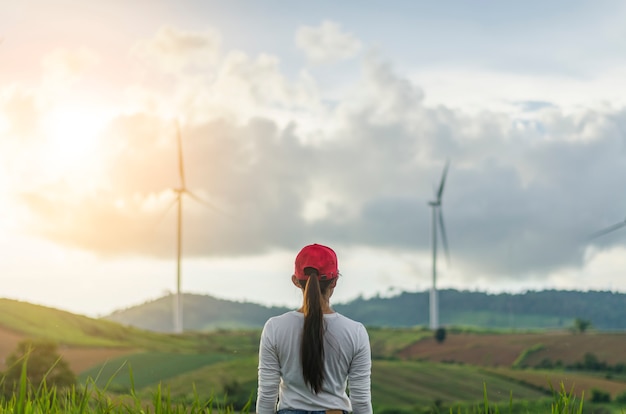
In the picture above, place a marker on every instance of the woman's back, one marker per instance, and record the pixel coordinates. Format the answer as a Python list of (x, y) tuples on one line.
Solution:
[(346, 357)]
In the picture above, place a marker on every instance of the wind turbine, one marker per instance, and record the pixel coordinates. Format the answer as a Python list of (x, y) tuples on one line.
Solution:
[(608, 230), (180, 192), (437, 218)]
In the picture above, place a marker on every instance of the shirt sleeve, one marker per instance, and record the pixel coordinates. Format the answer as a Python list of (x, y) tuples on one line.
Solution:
[(359, 376), (269, 373)]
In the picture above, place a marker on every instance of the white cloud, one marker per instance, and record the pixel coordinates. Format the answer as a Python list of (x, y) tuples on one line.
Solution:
[(21, 111), (382, 95), (174, 49), (258, 87), (327, 42)]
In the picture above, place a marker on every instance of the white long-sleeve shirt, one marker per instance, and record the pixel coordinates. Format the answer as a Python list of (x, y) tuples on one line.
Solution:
[(347, 364)]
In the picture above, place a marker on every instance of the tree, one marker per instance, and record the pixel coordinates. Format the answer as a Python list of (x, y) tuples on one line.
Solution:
[(621, 398), (440, 335), (42, 361), (600, 396), (581, 325)]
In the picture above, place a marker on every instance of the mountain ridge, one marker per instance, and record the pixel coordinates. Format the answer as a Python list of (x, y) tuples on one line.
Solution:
[(545, 309)]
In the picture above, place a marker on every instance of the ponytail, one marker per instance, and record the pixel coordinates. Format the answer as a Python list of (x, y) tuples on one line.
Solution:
[(312, 348)]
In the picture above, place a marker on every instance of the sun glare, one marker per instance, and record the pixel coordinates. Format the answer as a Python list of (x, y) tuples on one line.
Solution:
[(71, 138), (4, 124)]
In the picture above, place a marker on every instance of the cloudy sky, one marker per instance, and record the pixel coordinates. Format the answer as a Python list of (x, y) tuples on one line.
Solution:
[(307, 122)]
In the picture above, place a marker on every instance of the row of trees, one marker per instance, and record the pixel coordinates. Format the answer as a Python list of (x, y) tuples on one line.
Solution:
[(607, 310), (38, 360)]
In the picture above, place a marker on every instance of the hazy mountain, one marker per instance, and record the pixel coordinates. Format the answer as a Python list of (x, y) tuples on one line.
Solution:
[(201, 312), (534, 309)]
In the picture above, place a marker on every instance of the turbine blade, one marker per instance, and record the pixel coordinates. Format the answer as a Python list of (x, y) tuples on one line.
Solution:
[(206, 203), (443, 181), (165, 212), (181, 167), (607, 230), (444, 238)]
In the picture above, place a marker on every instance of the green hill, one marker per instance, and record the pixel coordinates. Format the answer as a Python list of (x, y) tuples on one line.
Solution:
[(202, 313), (549, 309), (69, 329), (63, 327), (410, 369)]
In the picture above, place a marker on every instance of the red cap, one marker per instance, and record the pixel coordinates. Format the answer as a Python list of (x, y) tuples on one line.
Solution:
[(318, 257)]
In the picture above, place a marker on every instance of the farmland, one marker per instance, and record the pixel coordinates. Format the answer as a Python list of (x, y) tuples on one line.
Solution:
[(503, 349), (410, 369)]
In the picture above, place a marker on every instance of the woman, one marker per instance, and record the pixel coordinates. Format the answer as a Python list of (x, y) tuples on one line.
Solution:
[(308, 357)]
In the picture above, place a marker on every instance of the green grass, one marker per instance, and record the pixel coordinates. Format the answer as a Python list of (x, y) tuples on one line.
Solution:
[(91, 399), (236, 377), (483, 394), (210, 349), (407, 383), (394, 383), (149, 368), (211, 374), (520, 361), (387, 342), (244, 342)]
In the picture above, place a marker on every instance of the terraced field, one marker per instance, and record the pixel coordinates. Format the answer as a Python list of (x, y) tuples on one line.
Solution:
[(574, 382), (404, 384)]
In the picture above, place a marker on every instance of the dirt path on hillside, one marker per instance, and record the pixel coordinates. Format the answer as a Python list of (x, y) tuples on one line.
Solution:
[(79, 358), (8, 343)]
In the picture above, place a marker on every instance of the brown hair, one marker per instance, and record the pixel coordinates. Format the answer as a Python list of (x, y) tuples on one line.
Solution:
[(312, 348)]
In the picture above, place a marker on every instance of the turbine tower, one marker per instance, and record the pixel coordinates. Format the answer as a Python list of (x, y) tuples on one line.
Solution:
[(180, 192), (437, 218)]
